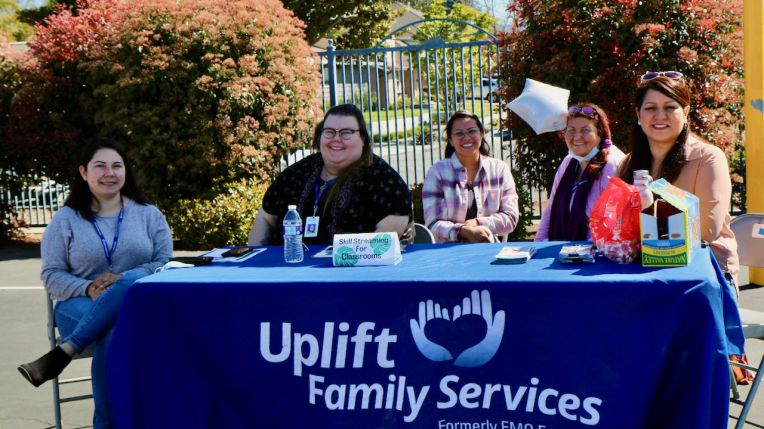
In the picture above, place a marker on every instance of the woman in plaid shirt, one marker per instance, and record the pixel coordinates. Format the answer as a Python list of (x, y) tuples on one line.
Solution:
[(469, 196)]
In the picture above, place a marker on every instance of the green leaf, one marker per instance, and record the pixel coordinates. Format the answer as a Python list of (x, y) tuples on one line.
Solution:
[(345, 257), (381, 243)]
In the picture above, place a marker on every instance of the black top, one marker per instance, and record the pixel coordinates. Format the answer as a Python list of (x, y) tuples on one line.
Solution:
[(472, 210), (359, 206)]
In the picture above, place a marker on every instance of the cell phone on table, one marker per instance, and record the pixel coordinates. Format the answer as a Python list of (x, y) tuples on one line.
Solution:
[(193, 260), (237, 251)]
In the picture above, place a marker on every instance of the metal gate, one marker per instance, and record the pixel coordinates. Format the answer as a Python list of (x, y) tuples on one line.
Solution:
[(407, 93), (36, 204)]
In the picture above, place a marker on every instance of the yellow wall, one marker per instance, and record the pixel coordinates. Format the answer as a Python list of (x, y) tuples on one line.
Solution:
[(754, 118)]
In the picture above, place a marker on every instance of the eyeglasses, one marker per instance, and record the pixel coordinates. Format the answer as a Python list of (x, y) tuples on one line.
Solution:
[(571, 132), (669, 74), (345, 133), (472, 132), (583, 110)]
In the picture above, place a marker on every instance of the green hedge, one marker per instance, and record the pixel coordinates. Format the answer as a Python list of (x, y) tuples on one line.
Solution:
[(221, 218)]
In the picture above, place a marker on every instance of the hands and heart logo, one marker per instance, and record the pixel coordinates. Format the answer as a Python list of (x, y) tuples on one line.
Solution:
[(473, 335)]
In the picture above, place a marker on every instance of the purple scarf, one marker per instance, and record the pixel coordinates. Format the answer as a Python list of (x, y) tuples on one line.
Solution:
[(569, 221)]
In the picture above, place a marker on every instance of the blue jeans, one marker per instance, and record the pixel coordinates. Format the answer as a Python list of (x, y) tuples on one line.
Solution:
[(84, 323)]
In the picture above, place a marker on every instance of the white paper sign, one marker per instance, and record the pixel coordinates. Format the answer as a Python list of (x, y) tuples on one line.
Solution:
[(758, 230), (357, 250), (544, 107)]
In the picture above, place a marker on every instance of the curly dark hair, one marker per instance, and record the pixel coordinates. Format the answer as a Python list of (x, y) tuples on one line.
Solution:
[(596, 164), (641, 158)]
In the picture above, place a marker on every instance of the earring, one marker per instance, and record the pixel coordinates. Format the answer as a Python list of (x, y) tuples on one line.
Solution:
[(639, 122)]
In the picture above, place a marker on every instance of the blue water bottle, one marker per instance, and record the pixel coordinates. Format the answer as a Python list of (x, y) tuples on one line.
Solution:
[(293, 252)]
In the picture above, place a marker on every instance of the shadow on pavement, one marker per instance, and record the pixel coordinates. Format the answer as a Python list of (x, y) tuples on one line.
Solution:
[(10, 250)]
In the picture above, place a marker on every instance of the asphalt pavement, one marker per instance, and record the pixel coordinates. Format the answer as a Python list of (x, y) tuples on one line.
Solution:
[(23, 337)]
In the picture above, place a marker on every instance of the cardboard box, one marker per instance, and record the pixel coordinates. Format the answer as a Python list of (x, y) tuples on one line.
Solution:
[(670, 228)]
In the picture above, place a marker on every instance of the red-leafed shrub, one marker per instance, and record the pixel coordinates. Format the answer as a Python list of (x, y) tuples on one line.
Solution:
[(10, 81), (598, 49), (202, 93), (66, 38), (52, 108)]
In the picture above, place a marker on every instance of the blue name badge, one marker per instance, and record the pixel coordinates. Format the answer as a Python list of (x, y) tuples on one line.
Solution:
[(357, 250), (311, 226)]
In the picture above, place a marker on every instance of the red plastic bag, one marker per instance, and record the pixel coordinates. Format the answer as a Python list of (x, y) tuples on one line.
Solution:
[(614, 221)]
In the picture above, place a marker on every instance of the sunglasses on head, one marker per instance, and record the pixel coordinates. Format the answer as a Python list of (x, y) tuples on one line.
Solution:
[(582, 110), (669, 74)]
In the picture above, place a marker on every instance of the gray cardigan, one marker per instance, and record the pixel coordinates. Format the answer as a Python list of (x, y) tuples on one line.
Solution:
[(72, 254)]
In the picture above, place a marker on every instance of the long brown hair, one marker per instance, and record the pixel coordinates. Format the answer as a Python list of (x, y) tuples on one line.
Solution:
[(595, 165), (641, 158), (353, 171), (81, 197)]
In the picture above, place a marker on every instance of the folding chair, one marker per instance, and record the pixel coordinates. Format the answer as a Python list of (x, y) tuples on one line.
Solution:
[(751, 253), (56, 382), (423, 234)]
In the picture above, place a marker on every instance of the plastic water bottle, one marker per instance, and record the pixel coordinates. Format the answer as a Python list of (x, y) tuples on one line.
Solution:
[(641, 180), (292, 236)]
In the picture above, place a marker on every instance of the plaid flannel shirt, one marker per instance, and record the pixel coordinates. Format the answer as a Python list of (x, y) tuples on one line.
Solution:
[(445, 201)]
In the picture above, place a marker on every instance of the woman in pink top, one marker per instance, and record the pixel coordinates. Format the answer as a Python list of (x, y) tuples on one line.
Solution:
[(582, 175), (664, 145)]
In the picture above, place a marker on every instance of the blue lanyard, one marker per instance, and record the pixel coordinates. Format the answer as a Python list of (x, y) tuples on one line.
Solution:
[(109, 253), (320, 191)]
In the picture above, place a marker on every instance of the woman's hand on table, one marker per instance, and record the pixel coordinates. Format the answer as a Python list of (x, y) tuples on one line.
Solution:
[(474, 234)]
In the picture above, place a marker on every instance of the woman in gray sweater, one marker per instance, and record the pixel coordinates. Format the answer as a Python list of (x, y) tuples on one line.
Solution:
[(105, 238)]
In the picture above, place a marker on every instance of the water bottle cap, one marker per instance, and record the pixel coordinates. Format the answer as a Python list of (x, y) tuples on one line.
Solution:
[(292, 207)]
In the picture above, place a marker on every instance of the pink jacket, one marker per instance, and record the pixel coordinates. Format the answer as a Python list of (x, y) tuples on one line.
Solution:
[(706, 174)]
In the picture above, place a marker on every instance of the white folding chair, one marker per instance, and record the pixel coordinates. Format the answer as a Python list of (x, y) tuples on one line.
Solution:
[(56, 382), (423, 234), (751, 253)]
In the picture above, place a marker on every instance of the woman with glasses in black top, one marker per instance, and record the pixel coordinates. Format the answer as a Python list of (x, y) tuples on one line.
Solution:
[(343, 188)]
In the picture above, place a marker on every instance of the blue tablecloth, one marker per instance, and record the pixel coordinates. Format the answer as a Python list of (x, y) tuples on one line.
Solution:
[(264, 344)]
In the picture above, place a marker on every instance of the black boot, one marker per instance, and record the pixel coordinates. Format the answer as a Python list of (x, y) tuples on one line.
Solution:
[(46, 368)]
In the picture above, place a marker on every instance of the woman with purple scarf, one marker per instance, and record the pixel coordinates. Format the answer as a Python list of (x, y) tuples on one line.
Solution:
[(582, 175)]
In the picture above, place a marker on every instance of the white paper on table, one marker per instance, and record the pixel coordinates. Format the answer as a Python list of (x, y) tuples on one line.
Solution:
[(328, 252), (376, 248), (217, 255), (324, 253), (758, 230), (516, 253)]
